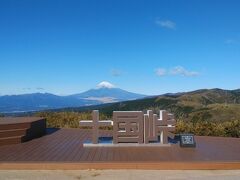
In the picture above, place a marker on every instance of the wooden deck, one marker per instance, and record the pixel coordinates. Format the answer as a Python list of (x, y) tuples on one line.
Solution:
[(14, 130), (65, 147)]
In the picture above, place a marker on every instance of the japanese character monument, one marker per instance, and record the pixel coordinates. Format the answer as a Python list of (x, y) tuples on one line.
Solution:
[(134, 127)]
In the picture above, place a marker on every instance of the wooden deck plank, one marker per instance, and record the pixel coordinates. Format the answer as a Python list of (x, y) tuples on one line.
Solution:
[(43, 150), (104, 154), (77, 148), (110, 154), (62, 149), (97, 154), (46, 151), (66, 145), (79, 153), (116, 156), (75, 145)]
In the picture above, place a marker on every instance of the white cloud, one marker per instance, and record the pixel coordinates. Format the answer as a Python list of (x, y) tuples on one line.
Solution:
[(166, 24), (161, 72), (232, 41), (116, 72), (26, 89), (105, 84), (39, 88), (178, 70)]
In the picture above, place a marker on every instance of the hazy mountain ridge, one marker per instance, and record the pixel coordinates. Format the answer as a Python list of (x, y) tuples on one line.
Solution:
[(44, 101), (38, 101)]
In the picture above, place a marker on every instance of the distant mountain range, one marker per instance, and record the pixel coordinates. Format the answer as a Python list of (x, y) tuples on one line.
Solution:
[(204, 104), (105, 93), (201, 105)]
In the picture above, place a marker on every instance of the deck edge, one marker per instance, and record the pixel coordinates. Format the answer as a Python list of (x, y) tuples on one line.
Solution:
[(120, 165)]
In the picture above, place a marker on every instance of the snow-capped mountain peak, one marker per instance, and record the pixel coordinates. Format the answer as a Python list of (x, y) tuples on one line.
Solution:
[(105, 84)]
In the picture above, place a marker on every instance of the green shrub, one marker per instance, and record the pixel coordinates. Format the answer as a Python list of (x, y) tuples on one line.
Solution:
[(205, 128), (198, 127)]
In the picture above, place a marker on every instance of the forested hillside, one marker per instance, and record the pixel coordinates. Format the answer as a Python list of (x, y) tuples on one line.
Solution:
[(212, 112)]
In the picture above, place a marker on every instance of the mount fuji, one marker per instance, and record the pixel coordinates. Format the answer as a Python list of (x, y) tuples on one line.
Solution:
[(108, 93)]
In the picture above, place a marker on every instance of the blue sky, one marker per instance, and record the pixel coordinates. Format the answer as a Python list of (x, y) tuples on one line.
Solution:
[(149, 47)]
